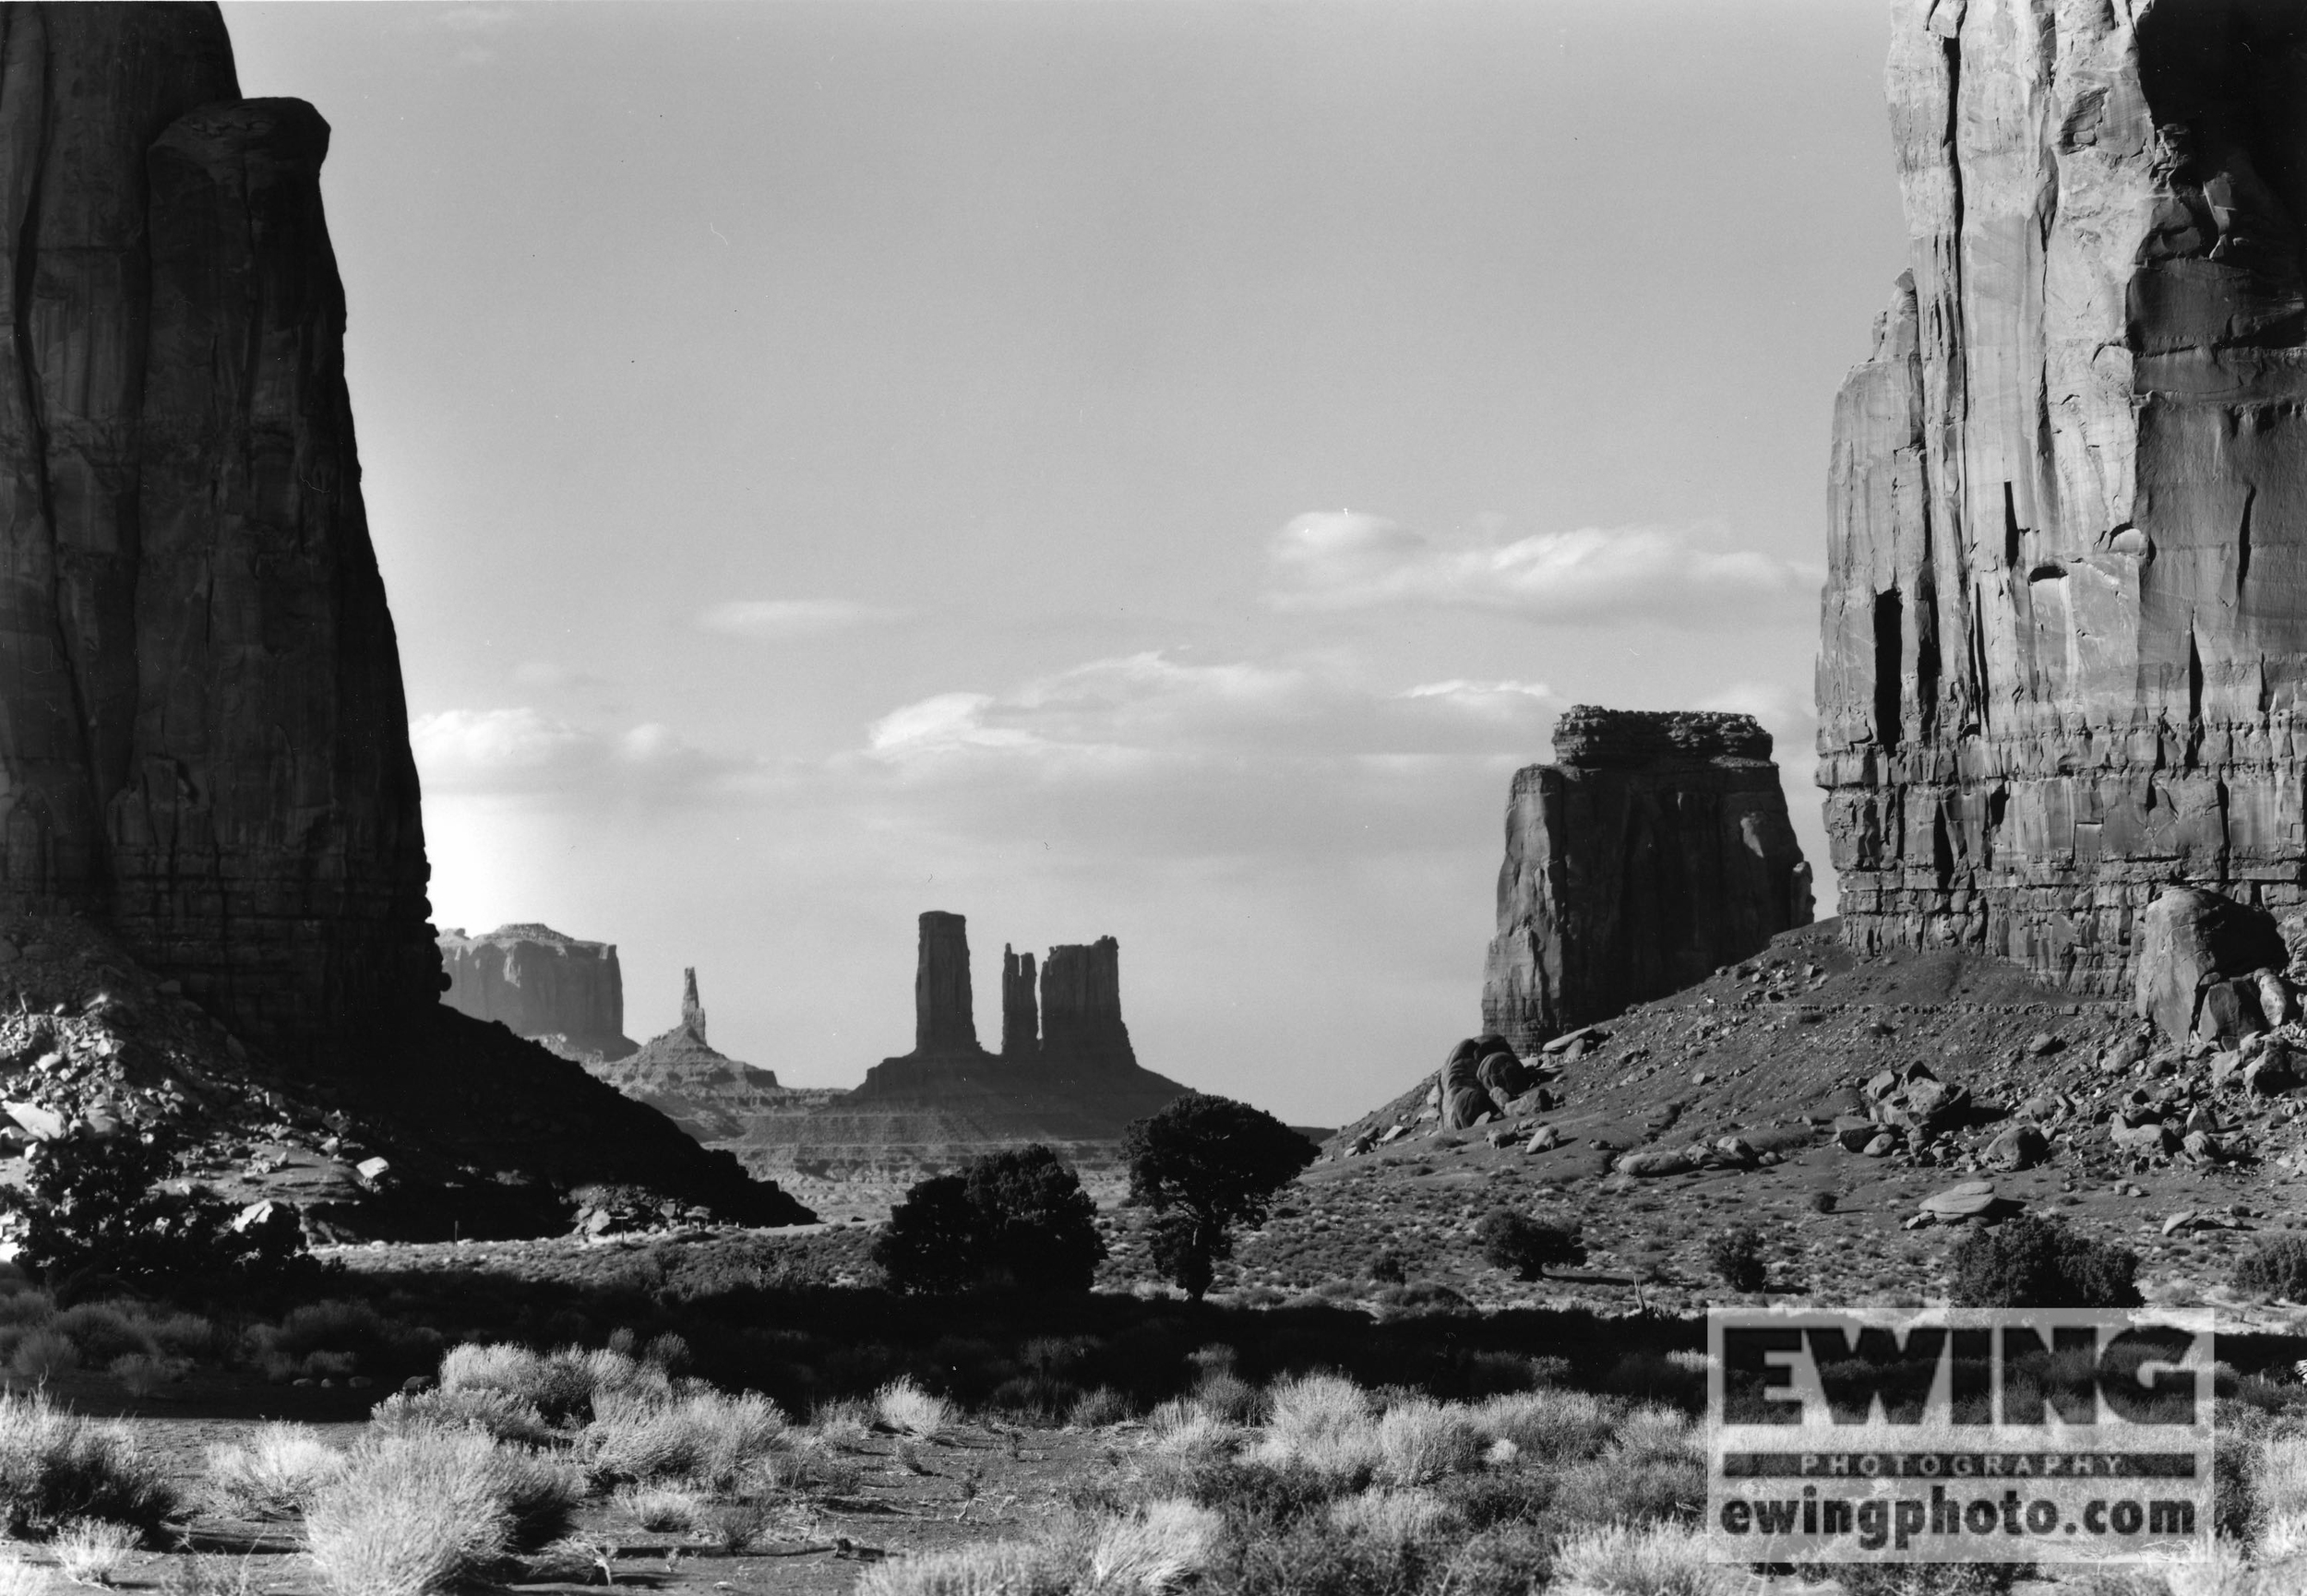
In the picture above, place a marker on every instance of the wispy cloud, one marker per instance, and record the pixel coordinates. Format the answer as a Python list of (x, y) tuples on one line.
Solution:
[(523, 750), (1344, 560), (782, 619)]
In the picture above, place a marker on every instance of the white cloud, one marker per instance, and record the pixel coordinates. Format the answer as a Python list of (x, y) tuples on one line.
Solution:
[(549, 673), (1343, 560), (523, 750), (782, 619)]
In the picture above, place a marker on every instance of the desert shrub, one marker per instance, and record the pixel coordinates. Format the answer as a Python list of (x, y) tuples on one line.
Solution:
[(1225, 1394), (986, 1568), (17, 1579), (1651, 1470), (1525, 1245), (1737, 1258), (1097, 1408), (1205, 1165), (568, 1385), (1167, 1546), (1018, 1217), (42, 1354), (705, 1438), (140, 1373), (414, 1516), (103, 1331), (2037, 1263), (846, 1423), (903, 1405), (1420, 1442), (93, 1206), (1655, 1560), (661, 1508), (417, 1514), (1325, 1424), (205, 1574), (1390, 1269), (56, 1466), (1395, 1516), (89, 1552), (2275, 1268), (496, 1413), (275, 1473), (1548, 1427)]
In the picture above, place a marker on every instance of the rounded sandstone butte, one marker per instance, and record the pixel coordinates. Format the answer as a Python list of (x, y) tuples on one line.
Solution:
[(2064, 637), (1654, 851)]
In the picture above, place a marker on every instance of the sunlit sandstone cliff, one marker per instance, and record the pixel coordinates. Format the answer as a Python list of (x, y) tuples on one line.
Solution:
[(2066, 626)]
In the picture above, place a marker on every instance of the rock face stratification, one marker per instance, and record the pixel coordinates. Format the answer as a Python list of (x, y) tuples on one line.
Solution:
[(205, 743), (2065, 627), (539, 983), (1653, 851)]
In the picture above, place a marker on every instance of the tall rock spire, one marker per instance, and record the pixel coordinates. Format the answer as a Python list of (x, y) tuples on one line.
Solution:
[(944, 1020), (692, 1011), (203, 736), (1020, 1021), (2065, 642)]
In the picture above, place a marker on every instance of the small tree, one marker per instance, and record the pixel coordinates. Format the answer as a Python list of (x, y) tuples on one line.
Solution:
[(93, 1206), (2276, 1268), (2035, 1262), (1736, 1256), (1019, 1217), (1525, 1247), (1204, 1165)]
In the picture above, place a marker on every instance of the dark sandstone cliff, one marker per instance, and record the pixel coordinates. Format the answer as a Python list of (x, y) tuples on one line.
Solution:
[(539, 983), (2066, 629), (204, 747), (205, 743), (1080, 1005), (1653, 851)]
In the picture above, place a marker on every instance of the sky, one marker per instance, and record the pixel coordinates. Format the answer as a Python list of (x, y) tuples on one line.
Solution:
[(1147, 469)]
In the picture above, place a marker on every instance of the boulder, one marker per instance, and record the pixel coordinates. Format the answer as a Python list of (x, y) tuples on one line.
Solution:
[(1852, 1133), (1544, 1139), (2021, 1147), (1464, 1100), (1651, 1164), (40, 1123), (2276, 1006), (2151, 1139), (1967, 1200), (2195, 943), (2229, 1011), (1503, 1076), (2270, 1075)]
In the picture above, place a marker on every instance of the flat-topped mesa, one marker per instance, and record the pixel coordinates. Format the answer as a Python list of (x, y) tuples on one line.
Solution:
[(1654, 851), (2064, 638), (205, 741), (1080, 1006), (944, 1015), (1021, 1021), (537, 982)]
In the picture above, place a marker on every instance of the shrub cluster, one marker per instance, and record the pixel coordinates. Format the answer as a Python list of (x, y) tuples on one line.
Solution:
[(1016, 1218), (1525, 1245), (2038, 1263)]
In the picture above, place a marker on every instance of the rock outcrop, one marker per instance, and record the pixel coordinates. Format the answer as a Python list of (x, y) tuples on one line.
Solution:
[(944, 1017), (204, 747), (1021, 1020), (708, 1094), (1653, 851), (539, 983), (1080, 1006), (2066, 626), (205, 743), (1076, 1085)]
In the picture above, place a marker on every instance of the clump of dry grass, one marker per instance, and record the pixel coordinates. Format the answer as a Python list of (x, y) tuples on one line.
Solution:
[(987, 1569), (1392, 1518), (488, 1409), (1170, 1544), (415, 1514), (56, 1466), (1627, 1560), (1420, 1442), (903, 1405), (663, 1508), (274, 1474), (90, 1551), (705, 1438)]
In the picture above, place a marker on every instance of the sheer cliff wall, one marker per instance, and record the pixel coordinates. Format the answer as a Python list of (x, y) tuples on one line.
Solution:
[(2064, 637)]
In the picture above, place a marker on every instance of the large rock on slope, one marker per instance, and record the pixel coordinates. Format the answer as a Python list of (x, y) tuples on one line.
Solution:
[(2065, 624), (203, 741), (1655, 850), (539, 983)]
